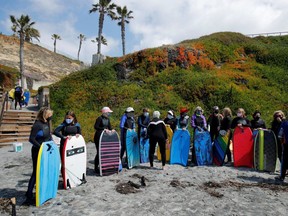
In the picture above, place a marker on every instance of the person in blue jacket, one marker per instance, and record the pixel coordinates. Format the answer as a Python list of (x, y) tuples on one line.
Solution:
[(283, 136), (198, 121), (143, 121), (40, 133), (127, 122), (183, 119)]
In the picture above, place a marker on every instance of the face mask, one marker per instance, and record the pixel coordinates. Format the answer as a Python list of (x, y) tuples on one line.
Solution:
[(256, 118), (69, 121), (146, 114), (130, 115), (169, 116), (49, 118), (239, 114), (198, 113)]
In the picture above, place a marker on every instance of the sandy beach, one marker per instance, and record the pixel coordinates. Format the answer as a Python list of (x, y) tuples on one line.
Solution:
[(177, 191)]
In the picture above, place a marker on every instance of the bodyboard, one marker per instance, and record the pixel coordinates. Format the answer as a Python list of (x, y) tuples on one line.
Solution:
[(144, 150), (243, 147), (109, 153), (132, 149), (265, 150), (168, 145), (74, 162), (220, 147), (47, 172), (180, 147), (203, 147)]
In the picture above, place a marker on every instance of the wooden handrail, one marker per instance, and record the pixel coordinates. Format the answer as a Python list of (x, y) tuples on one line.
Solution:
[(4, 105)]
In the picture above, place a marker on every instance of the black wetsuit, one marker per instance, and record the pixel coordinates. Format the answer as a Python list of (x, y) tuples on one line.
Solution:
[(64, 130), (284, 159), (40, 133), (215, 122), (240, 120), (18, 96), (258, 123), (226, 125), (127, 122), (275, 127), (100, 125), (142, 122), (157, 133), (172, 122)]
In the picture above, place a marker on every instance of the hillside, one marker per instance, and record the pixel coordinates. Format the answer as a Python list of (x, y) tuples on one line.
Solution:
[(40, 63), (224, 69)]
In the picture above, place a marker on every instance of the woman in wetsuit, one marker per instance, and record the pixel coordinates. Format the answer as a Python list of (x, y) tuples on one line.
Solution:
[(68, 128), (40, 133), (102, 124)]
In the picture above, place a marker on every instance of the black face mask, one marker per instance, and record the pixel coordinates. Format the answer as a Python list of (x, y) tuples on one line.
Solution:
[(256, 118), (49, 119)]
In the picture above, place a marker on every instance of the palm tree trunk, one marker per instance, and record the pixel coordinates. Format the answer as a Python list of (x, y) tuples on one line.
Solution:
[(80, 44), (101, 21), (55, 45), (123, 35), (22, 59)]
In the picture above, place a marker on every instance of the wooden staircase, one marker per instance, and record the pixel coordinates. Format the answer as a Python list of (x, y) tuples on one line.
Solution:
[(15, 125)]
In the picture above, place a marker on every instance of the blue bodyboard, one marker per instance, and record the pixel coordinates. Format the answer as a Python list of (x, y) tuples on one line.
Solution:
[(144, 150), (47, 174), (132, 149), (203, 147), (180, 147)]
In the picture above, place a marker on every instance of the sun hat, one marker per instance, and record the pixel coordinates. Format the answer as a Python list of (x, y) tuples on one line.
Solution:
[(129, 109), (106, 110)]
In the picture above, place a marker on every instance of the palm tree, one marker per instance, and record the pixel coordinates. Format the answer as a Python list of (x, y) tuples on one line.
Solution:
[(55, 37), (124, 15), (82, 38), (103, 7), (32, 33), (23, 28), (102, 41)]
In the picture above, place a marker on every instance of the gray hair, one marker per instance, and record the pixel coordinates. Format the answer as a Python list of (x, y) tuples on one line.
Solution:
[(156, 114)]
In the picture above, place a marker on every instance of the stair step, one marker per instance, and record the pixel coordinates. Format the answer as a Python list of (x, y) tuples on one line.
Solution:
[(14, 127), (14, 139), (3, 135), (4, 121)]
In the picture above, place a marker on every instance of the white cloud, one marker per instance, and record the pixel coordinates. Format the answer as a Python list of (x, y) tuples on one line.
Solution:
[(45, 7), (171, 21)]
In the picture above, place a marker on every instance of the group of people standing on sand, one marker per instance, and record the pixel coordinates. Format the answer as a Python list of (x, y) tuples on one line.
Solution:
[(155, 129)]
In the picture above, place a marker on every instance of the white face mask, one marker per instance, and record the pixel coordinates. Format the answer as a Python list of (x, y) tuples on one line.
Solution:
[(239, 114), (169, 116), (146, 114), (69, 121)]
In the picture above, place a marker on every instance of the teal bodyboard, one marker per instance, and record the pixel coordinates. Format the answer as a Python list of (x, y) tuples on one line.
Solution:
[(180, 147), (132, 149), (47, 175)]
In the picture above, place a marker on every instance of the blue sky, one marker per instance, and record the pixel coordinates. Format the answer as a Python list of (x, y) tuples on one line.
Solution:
[(156, 22)]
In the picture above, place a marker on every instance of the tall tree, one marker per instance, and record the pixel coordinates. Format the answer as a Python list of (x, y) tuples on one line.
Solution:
[(82, 38), (55, 37), (104, 7), (23, 27), (123, 16)]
